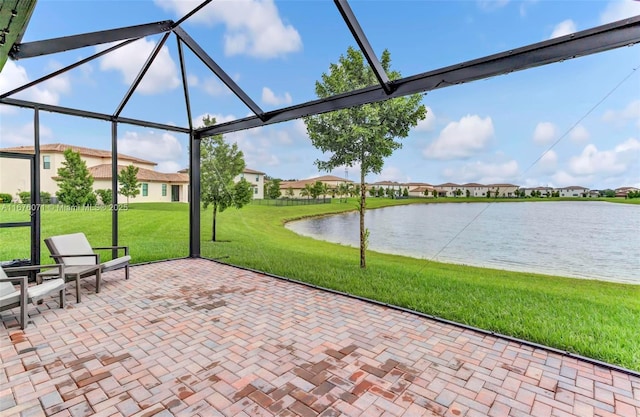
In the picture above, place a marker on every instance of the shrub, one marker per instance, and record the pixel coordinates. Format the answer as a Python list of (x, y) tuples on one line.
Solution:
[(25, 197), (5, 198), (45, 197), (105, 196)]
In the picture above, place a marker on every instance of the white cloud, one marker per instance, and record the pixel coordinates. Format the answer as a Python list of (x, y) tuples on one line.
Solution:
[(22, 135), (129, 60), (620, 117), (579, 134), (269, 97), (198, 121), (619, 9), (609, 162), (253, 27), (545, 132), (214, 88), (461, 140), (193, 80), (524, 5), (428, 123), (548, 163), (162, 148), (492, 4), (563, 28), (390, 173), (48, 92), (485, 172)]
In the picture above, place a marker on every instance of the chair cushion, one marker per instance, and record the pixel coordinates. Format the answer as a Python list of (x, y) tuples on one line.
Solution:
[(73, 244), (7, 297), (6, 288), (37, 292), (116, 263)]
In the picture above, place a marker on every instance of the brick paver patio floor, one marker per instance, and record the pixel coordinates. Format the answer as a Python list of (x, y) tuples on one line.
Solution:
[(195, 338)]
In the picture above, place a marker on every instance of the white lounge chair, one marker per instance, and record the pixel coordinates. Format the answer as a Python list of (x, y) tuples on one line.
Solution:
[(80, 260), (10, 297)]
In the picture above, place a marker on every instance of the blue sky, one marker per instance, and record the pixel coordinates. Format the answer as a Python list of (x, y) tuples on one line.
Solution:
[(498, 130)]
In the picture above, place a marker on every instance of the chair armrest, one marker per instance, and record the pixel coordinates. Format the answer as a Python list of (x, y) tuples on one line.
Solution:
[(30, 268), (58, 258), (126, 248)]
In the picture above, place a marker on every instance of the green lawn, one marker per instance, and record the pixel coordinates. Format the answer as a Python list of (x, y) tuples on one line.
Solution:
[(591, 318)]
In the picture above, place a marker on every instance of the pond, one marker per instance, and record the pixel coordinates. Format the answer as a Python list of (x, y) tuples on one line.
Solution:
[(582, 239)]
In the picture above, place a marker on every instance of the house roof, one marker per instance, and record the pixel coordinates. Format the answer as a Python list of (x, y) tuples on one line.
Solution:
[(573, 187), (252, 171), (473, 184), (103, 172), (447, 184), (422, 189), (502, 185), (61, 147)]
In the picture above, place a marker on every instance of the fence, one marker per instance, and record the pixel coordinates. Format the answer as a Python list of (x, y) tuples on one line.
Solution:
[(291, 201)]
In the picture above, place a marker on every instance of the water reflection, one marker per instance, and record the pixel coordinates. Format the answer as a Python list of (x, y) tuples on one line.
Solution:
[(577, 239)]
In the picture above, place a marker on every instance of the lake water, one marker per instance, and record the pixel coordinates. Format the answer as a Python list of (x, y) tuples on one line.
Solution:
[(595, 240)]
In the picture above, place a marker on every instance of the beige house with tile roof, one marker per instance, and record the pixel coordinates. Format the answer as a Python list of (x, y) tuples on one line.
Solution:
[(155, 186), (297, 186)]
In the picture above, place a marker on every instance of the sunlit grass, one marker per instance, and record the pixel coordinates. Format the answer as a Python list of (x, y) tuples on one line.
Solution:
[(592, 318)]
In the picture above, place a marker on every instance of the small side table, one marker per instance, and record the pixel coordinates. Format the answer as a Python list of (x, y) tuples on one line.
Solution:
[(74, 273)]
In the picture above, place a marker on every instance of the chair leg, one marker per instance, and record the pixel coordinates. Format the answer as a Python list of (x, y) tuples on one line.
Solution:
[(126, 272), (77, 288), (62, 297), (98, 276)]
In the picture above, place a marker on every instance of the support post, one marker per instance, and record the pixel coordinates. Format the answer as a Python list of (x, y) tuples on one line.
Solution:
[(114, 187), (35, 191), (194, 197)]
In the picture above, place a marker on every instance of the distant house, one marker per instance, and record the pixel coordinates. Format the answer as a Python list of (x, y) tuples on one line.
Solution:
[(421, 191), (297, 186), (623, 191), (503, 190), (256, 179), (15, 174), (448, 189), (573, 191), (544, 191), (475, 189)]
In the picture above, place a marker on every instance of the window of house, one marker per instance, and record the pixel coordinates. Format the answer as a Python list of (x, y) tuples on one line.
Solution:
[(164, 190), (255, 190), (46, 162), (257, 178), (145, 189)]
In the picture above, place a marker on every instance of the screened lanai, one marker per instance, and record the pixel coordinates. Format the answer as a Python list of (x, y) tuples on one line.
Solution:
[(424, 77)]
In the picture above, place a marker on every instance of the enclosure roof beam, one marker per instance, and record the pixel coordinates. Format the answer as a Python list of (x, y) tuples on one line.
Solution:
[(363, 43), (67, 43), (601, 38), (90, 115), (223, 76)]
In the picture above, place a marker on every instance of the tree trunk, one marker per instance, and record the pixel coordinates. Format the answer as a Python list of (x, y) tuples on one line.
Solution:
[(213, 226), (363, 196)]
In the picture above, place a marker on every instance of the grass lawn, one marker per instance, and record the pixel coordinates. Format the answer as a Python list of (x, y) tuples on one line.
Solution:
[(592, 318)]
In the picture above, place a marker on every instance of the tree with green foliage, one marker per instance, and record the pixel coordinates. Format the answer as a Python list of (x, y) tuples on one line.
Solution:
[(75, 181), (307, 191), (220, 163), (405, 192), (273, 189), (363, 135), (468, 193), (289, 193), (380, 192), (317, 189), (128, 180)]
